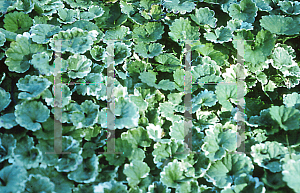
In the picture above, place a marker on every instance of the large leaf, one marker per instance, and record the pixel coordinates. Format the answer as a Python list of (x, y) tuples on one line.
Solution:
[(135, 171)]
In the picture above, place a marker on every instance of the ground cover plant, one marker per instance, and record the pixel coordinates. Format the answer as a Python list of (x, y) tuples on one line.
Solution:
[(238, 61)]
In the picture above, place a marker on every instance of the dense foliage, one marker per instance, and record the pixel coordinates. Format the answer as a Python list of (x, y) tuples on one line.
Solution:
[(149, 94)]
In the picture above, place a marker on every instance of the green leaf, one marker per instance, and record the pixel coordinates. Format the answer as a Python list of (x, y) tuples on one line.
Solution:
[(158, 186), (126, 150), (148, 50), (86, 172), (33, 86), (149, 32), (93, 12), (155, 132), (6, 6), (26, 154), (205, 16), (268, 155), (5, 99), (121, 52), (218, 141), (79, 3), (7, 145), (206, 118), (39, 183), (166, 85), (167, 58), (8, 121), (221, 35), (280, 24), (76, 40), (291, 174), (290, 8), (65, 96), (223, 172), (239, 25), (13, 179), (246, 11), (69, 162), (257, 52), (177, 130), (61, 182), (135, 171), (41, 33), (137, 137), (172, 173), (281, 57), (167, 110), (286, 117), (110, 187), (10, 36), (179, 6), (79, 66), (112, 16), (29, 114), (117, 33), (17, 22), (166, 148), (20, 52), (204, 98), (98, 53), (41, 62), (182, 29), (86, 116), (265, 120), (292, 100), (126, 112), (226, 94), (2, 38), (148, 77)]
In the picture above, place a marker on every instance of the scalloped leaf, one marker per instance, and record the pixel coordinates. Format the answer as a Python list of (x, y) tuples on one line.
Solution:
[(13, 178), (149, 32), (7, 146), (148, 50), (79, 66), (286, 117), (8, 121), (135, 171), (86, 116), (268, 155), (223, 172), (86, 172), (181, 29), (172, 173), (204, 16), (29, 114), (33, 86), (246, 11), (17, 22), (93, 12), (179, 6), (221, 35), (218, 141), (39, 183), (41, 33), (280, 24), (76, 40), (26, 154), (5, 99), (20, 52)]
